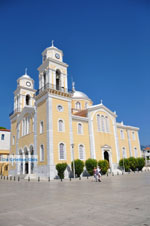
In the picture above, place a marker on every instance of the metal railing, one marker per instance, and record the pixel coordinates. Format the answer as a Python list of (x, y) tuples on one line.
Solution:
[(52, 87)]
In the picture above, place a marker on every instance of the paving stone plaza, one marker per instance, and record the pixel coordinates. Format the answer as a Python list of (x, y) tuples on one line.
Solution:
[(117, 201)]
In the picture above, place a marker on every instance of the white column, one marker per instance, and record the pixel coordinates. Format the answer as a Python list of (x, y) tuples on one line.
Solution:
[(91, 136), (129, 142), (29, 162), (116, 140)]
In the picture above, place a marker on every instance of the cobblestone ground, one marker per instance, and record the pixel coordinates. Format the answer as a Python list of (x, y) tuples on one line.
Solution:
[(117, 201)]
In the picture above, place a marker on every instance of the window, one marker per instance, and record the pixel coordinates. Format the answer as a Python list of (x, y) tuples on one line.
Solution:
[(41, 127), (27, 99), (61, 151), (81, 152), (3, 137), (13, 140), (80, 128), (133, 135), (60, 125), (25, 126), (124, 155), (135, 152), (78, 105), (86, 104), (103, 123), (107, 124), (42, 153), (98, 123), (121, 134)]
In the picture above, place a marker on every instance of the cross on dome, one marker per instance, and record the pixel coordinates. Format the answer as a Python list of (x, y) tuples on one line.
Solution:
[(52, 42), (26, 69)]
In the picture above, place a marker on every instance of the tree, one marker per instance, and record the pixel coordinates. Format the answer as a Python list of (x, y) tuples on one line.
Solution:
[(61, 167), (124, 163), (132, 163), (140, 163), (90, 164), (79, 165), (104, 165)]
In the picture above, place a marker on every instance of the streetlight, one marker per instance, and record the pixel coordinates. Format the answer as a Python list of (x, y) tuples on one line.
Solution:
[(123, 160), (72, 145)]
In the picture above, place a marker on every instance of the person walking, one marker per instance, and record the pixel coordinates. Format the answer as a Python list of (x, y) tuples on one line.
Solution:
[(95, 173), (99, 174)]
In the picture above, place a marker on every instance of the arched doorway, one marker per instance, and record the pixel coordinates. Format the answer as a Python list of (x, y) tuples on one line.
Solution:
[(26, 160), (58, 79), (106, 155), (32, 160)]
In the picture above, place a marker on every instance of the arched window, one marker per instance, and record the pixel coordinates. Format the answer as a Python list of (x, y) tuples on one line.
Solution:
[(58, 73), (103, 123), (98, 123), (78, 105), (81, 152), (124, 154), (61, 151), (86, 104), (60, 125), (122, 134), (27, 99), (44, 78), (135, 152), (42, 152), (2, 136), (41, 127), (80, 128), (133, 135), (107, 124)]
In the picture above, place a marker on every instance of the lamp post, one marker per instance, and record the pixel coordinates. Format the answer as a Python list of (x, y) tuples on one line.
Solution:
[(72, 145), (123, 161)]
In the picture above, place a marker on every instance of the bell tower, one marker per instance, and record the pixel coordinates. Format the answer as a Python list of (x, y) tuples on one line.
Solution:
[(53, 71), (23, 95)]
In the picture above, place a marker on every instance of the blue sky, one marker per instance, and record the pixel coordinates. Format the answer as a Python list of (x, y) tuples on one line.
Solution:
[(105, 43)]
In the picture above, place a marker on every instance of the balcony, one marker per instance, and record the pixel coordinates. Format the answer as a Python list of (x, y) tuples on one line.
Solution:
[(52, 87), (17, 110)]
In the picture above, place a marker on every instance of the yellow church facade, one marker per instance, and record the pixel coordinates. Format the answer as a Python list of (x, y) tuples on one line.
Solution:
[(58, 125)]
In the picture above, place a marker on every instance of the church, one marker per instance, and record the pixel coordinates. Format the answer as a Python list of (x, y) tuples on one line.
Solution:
[(58, 125)]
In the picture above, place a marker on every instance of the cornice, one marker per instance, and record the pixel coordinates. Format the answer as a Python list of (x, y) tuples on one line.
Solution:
[(127, 127), (101, 106), (79, 118)]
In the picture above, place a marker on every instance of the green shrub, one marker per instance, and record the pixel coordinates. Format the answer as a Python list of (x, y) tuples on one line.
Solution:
[(126, 164), (2, 127), (132, 163), (61, 167), (104, 165), (140, 163), (90, 164), (79, 165)]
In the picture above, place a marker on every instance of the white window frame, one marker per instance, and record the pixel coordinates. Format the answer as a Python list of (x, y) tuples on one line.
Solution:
[(124, 153), (83, 152), (103, 123), (122, 134), (107, 124), (64, 151), (98, 118), (41, 127), (79, 123), (133, 135), (135, 152), (42, 159), (63, 125), (78, 105), (2, 136)]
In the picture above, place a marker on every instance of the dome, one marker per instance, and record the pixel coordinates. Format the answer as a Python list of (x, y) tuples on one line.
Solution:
[(79, 95)]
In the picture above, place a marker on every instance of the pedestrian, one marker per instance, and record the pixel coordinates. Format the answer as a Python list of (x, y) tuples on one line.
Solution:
[(99, 174), (95, 173)]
